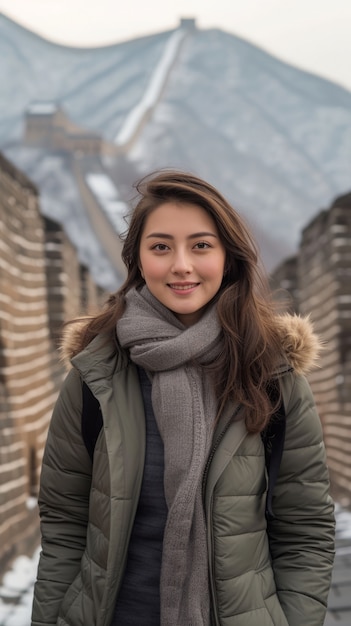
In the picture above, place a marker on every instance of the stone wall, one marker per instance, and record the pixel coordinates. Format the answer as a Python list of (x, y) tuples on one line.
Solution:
[(41, 285), (70, 288), (47, 125), (322, 285)]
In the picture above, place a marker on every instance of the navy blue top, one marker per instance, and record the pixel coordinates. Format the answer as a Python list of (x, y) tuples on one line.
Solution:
[(138, 602)]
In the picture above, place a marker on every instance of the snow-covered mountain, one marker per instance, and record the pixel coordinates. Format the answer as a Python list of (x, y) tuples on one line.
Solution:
[(274, 139)]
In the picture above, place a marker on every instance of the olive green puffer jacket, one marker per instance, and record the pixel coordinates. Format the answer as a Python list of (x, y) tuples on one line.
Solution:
[(268, 576)]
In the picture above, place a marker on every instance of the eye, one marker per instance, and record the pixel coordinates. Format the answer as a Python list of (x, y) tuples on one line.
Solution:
[(160, 247), (202, 245)]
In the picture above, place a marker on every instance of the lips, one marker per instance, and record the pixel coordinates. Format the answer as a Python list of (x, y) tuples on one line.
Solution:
[(182, 286)]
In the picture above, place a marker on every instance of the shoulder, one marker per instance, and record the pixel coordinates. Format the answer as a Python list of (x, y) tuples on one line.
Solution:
[(301, 347), (72, 340), (65, 423), (303, 425), (103, 354)]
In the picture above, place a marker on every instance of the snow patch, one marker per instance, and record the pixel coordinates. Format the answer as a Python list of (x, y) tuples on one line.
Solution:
[(153, 90), (16, 591), (108, 198), (42, 108)]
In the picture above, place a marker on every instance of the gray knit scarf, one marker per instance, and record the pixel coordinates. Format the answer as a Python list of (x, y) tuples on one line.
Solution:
[(185, 407)]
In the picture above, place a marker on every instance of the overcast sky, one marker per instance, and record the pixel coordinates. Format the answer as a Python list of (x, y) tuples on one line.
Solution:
[(311, 34)]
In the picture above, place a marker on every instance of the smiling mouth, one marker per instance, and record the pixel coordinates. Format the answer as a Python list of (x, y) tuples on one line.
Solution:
[(178, 287)]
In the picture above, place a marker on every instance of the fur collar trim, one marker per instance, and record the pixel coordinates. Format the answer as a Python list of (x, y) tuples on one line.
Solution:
[(300, 344)]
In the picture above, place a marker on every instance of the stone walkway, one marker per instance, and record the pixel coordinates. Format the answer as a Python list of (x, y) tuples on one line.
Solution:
[(339, 604)]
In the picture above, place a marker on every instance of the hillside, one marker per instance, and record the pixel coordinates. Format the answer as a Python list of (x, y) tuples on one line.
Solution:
[(274, 139)]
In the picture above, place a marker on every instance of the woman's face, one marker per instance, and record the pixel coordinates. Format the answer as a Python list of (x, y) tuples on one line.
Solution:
[(182, 258)]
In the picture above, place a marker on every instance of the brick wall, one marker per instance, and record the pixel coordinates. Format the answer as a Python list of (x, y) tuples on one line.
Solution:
[(42, 284), (323, 285), (26, 358)]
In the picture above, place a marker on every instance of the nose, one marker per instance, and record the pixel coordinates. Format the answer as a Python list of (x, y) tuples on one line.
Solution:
[(181, 263)]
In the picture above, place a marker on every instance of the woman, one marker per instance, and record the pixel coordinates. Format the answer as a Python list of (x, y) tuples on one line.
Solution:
[(189, 362)]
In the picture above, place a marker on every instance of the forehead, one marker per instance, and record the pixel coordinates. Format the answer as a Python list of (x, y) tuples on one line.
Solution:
[(179, 216)]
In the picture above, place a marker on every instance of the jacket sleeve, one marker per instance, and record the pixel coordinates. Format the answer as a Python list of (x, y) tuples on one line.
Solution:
[(63, 503), (302, 532)]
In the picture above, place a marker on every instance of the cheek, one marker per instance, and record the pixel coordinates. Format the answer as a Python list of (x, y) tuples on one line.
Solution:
[(214, 270), (151, 268)]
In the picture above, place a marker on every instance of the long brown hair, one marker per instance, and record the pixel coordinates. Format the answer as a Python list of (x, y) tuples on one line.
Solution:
[(251, 347)]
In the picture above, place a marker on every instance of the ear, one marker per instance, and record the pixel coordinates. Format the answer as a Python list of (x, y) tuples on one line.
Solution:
[(141, 272)]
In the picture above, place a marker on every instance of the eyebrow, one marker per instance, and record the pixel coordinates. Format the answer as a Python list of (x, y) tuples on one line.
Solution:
[(193, 236)]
